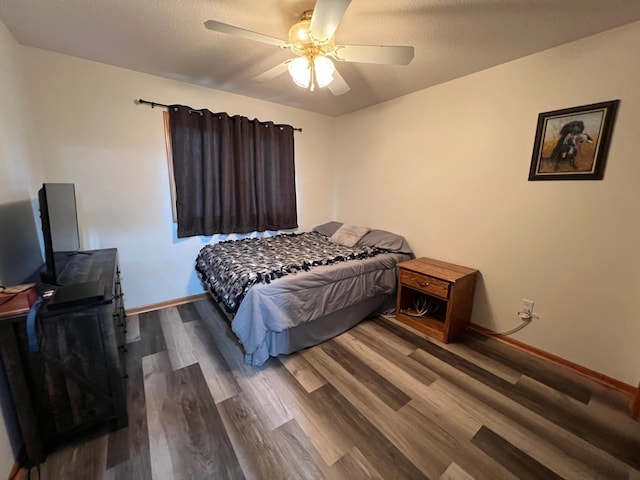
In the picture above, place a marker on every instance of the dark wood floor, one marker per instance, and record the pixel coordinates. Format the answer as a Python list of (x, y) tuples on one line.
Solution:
[(377, 402)]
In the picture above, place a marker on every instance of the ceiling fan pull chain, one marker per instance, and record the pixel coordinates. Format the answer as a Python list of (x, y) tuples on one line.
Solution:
[(312, 69)]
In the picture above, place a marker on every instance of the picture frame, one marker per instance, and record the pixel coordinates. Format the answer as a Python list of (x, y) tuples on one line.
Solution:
[(573, 143)]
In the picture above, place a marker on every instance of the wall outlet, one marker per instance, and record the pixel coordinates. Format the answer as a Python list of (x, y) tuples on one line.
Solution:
[(526, 311)]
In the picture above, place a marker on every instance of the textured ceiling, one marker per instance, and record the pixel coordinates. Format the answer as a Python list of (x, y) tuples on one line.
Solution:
[(452, 38)]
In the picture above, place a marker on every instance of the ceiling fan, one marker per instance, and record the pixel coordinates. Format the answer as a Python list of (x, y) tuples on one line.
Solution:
[(311, 39)]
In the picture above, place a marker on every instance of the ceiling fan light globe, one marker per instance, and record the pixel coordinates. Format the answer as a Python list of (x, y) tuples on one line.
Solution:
[(324, 71), (300, 72)]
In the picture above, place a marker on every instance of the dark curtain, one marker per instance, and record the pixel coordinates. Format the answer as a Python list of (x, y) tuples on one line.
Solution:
[(232, 174)]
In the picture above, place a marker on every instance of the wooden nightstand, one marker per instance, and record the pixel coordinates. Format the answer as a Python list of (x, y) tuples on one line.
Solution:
[(444, 289)]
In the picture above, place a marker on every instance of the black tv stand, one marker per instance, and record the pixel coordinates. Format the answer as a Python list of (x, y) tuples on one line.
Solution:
[(76, 382)]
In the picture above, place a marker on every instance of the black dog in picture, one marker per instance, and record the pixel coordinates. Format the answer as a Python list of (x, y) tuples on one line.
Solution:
[(566, 148)]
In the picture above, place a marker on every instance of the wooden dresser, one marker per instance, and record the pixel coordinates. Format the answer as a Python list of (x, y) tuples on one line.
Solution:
[(435, 297), (76, 381)]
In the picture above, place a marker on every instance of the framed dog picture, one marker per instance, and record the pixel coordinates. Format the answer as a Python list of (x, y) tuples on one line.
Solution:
[(572, 144)]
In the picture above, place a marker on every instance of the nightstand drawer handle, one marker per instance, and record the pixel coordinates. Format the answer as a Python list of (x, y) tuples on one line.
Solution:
[(423, 283)]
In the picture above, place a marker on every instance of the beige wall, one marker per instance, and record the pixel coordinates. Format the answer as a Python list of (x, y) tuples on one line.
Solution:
[(94, 135), (20, 253), (19, 177), (448, 168)]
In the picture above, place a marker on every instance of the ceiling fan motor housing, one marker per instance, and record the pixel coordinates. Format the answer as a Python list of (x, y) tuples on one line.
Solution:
[(301, 42)]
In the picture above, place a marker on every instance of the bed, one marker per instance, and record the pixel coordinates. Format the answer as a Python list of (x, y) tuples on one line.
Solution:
[(285, 293)]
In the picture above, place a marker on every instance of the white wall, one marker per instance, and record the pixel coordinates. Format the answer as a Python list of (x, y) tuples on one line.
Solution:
[(448, 166), (19, 248), (92, 134)]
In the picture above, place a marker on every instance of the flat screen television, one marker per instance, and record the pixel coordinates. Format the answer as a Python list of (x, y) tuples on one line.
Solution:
[(59, 219)]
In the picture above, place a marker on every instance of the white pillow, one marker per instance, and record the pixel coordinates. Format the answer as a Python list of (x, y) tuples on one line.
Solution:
[(349, 234)]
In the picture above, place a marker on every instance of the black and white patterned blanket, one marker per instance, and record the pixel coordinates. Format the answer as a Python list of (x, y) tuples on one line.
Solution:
[(231, 267)]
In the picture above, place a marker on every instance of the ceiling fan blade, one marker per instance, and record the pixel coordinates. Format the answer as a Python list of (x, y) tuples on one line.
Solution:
[(327, 15), (383, 54), (338, 86), (241, 32), (272, 72)]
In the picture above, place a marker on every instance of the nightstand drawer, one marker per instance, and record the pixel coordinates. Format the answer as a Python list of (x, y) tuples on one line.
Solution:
[(425, 283)]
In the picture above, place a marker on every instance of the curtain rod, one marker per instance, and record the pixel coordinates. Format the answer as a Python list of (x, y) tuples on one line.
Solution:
[(156, 104)]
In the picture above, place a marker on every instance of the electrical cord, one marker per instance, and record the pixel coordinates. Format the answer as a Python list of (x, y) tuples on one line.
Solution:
[(21, 462), (524, 323), (423, 307), (13, 292), (17, 466), (526, 317), (11, 297), (29, 472)]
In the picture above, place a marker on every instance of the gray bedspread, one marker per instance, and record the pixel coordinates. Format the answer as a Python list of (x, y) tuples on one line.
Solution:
[(231, 268), (334, 297), (297, 299)]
